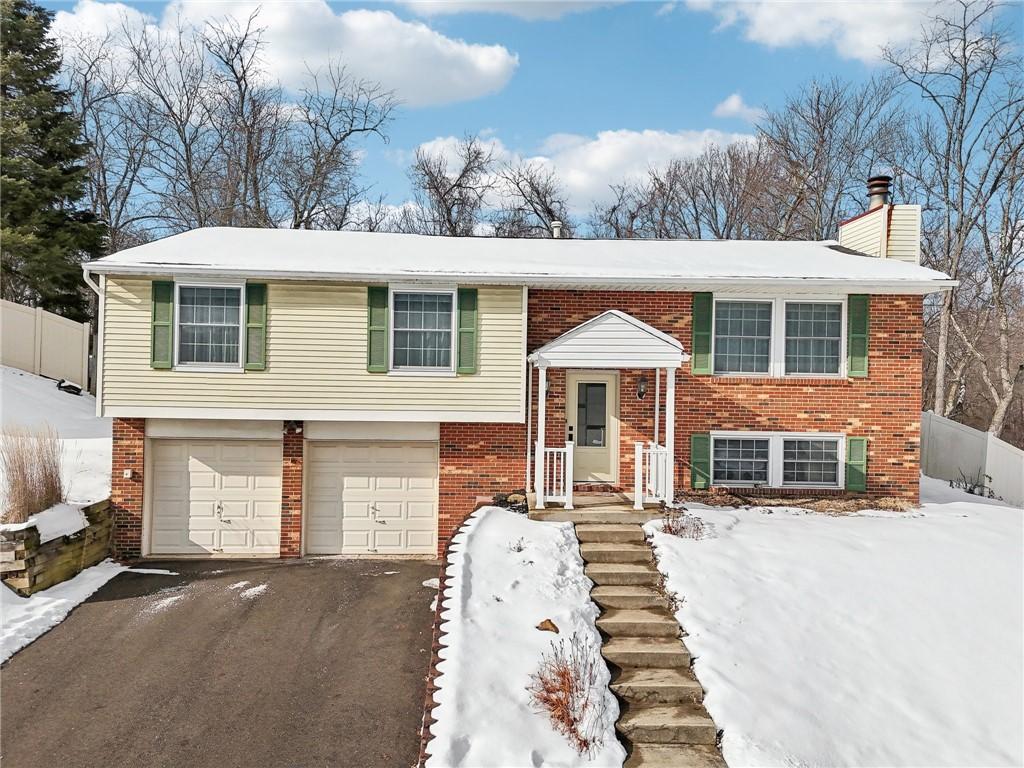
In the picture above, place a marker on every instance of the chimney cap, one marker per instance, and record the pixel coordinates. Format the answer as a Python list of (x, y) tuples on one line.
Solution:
[(556, 228), (879, 187)]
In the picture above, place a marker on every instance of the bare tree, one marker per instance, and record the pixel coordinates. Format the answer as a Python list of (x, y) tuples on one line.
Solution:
[(968, 77), (117, 134), (450, 196), (531, 201)]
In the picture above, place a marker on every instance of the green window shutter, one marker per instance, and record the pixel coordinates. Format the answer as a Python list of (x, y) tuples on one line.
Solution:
[(467, 331), (377, 329), (856, 463), (700, 460), (857, 336), (700, 360), (161, 349), (255, 326)]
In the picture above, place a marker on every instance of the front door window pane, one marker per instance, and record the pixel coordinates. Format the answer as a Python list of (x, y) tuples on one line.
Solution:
[(743, 335), (209, 320), (591, 414), (423, 330)]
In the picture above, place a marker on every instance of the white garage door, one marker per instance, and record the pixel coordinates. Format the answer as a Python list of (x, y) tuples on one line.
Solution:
[(371, 498), (216, 497)]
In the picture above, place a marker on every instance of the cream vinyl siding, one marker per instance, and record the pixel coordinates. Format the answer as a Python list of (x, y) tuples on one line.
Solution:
[(866, 234), (905, 234), (316, 358)]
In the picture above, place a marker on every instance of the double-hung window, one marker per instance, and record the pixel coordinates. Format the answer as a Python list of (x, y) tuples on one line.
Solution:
[(209, 325), (422, 330), (777, 459), (814, 337), (743, 335), (779, 337)]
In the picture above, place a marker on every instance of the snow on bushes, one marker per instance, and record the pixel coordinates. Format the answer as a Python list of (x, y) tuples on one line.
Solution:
[(506, 575)]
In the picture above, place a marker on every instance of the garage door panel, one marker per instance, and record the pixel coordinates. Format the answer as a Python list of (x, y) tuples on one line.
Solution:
[(192, 478), (383, 490)]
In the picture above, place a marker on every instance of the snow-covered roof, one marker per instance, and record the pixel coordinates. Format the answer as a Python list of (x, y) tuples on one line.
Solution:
[(630, 264)]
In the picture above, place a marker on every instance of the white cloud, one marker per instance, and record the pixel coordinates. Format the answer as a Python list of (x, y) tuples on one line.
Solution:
[(855, 30), (530, 10), (423, 66), (734, 106), (587, 165)]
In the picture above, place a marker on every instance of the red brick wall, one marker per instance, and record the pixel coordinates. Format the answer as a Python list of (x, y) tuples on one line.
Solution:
[(291, 491), (129, 440), (885, 407), (476, 460)]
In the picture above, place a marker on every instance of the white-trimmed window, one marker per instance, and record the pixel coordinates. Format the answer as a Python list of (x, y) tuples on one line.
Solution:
[(774, 336), (208, 325), (423, 330), (777, 459)]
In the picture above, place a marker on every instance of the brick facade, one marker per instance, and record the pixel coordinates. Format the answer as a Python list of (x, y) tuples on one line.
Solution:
[(291, 490), (885, 407), (476, 460), (127, 453)]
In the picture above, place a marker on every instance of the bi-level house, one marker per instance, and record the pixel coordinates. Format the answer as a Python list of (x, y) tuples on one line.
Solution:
[(284, 392)]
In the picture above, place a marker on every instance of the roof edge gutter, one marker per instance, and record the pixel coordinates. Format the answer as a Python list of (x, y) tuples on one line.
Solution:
[(531, 281)]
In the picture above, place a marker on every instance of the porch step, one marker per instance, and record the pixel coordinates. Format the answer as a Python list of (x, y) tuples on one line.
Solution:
[(609, 533), (658, 686), (615, 553), (651, 652), (604, 515), (674, 756), (667, 724), (627, 596), (643, 622), (620, 574)]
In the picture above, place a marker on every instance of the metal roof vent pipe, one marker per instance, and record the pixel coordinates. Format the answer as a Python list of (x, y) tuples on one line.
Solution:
[(879, 191), (556, 229)]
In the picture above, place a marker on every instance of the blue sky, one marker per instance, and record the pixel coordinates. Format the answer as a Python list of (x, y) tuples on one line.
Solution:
[(600, 91)]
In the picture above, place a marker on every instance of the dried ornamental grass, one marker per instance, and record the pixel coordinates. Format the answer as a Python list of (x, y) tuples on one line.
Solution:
[(31, 472), (565, 688)]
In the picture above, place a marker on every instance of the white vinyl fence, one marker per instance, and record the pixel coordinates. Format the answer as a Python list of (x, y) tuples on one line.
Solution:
[(43, 343), (950, 451)]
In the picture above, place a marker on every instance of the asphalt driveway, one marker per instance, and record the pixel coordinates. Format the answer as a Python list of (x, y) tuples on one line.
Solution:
[(306, 663)]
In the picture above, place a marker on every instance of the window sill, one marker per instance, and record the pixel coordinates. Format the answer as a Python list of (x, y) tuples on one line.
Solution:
[(794, 381), (208, 369), (423, 374)]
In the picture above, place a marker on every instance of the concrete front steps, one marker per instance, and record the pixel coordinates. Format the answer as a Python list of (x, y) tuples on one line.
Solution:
[(662, 720)]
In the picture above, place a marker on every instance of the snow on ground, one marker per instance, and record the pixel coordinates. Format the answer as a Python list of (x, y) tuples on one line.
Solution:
[(877, 639), (26, 618), (32, 401), (497, 591)]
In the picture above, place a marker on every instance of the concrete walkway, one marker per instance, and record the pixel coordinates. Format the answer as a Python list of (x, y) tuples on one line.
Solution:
[(662, 722)]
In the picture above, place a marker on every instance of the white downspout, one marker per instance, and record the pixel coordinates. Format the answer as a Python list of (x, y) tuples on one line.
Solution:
[(657, 404), (670, 433), (529, 421)]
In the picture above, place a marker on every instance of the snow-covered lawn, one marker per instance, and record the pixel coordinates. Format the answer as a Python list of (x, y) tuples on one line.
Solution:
[(507, 575), (868, 640), (32, 401)]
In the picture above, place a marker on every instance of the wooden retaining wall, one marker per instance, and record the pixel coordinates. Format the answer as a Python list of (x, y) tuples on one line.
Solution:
[(26, 566)]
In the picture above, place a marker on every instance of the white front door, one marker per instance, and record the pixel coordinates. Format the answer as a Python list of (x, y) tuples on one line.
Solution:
[(371, 498), (212, 497), (592, 418)]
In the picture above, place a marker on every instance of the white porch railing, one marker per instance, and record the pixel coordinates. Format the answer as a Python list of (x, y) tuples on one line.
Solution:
[(651, 476), (554, 475)]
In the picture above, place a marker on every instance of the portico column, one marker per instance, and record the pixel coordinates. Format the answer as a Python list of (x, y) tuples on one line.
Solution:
[(542, 397), (670, 432)]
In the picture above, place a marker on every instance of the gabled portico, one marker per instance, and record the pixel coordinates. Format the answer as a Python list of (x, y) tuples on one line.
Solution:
[(594, 354)]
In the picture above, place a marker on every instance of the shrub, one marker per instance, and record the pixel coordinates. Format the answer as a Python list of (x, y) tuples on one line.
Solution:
[(565, 688), (31, 469), (676, 522)]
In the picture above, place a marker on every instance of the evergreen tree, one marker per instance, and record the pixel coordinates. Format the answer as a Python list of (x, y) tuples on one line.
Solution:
[(44, 235)]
